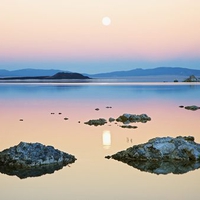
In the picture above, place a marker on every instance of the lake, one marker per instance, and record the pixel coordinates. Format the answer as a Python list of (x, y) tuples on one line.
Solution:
[(92, 176)]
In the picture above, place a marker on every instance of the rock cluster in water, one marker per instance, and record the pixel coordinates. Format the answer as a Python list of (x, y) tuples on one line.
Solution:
[(125, 119), (162, 149), (30, 155)]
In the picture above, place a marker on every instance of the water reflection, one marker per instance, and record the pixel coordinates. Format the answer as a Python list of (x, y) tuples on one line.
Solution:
[(106, 139), (155, 167), (33, 172)]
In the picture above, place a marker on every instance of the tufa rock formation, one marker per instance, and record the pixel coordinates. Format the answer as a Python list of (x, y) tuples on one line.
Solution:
[(163, 155), (31, 159)]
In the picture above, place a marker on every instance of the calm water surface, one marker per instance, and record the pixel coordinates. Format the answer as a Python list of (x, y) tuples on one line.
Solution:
[(92, 176)]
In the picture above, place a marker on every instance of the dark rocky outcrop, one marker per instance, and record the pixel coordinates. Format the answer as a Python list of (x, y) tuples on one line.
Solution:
[(192, 78), (163, 155), (130, 118), (33, 159), (96, 122)]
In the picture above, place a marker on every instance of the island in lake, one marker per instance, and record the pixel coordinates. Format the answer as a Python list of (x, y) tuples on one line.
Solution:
[(59, 75)]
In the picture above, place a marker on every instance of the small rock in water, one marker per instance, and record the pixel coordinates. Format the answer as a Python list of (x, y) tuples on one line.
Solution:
[(21, 120), (96, 109), (111, 119), (108, 157), (66, 118), (181, 106), (193, 107)]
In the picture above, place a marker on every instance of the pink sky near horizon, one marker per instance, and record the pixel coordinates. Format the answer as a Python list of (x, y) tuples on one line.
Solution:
[(148, 30)]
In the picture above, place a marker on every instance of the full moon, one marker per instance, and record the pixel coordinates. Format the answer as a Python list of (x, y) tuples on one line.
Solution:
[(106, 21)]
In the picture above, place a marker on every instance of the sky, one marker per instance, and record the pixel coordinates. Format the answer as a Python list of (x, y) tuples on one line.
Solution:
[(69, 34)]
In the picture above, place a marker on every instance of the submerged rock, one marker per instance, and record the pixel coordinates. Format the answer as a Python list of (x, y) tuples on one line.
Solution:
[(163, 155), (129, 118), (96, 122), (33, 157)]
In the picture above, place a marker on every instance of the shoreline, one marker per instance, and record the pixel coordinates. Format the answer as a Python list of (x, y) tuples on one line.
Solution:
[(93, 83)]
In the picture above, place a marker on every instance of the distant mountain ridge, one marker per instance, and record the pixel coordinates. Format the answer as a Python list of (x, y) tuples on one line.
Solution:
[(159, 71), (149, 72), (28, 72)]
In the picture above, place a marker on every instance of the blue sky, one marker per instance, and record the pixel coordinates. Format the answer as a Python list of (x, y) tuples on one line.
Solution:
[(70, 35)]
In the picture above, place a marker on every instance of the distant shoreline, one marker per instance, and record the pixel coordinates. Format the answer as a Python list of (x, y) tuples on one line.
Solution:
[(138, 79), (134, 80)]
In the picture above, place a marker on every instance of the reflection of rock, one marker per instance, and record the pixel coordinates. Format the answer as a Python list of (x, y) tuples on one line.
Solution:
[(163, 155), (192, 107), (164, 167), (96, 122), (128, 126), (33, 158), (129, 118), (32, 172)]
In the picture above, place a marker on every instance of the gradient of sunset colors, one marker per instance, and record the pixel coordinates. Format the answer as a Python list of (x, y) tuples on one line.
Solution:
[(69, 34)]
